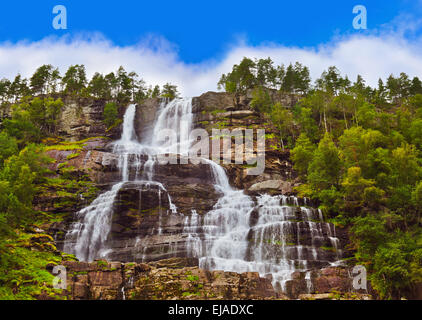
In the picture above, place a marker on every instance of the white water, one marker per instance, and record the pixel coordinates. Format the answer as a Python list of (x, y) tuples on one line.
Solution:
[(92, 230), (270, 246)]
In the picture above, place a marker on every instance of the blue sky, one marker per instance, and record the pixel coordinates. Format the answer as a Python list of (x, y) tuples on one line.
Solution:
[(199, 29), (190, 43)]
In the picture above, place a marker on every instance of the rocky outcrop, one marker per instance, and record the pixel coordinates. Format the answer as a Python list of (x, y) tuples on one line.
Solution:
[(325, 284), (139, 281), (82, 118), (280, 186), (178, 278), (146, 113)]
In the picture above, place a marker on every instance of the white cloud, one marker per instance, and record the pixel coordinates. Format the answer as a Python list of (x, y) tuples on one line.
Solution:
[(157, 61)]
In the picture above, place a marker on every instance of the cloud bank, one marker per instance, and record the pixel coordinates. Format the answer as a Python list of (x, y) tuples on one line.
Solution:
[(157, 61)]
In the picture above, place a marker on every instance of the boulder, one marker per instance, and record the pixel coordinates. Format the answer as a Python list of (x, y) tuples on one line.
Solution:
[(284, 187)]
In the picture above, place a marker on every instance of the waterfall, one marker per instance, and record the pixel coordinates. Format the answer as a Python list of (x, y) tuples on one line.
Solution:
[(88, 235), (93, 228), (272, 235)]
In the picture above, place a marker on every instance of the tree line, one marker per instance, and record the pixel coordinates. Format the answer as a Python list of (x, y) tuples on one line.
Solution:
[(250, 74), (120, 86)]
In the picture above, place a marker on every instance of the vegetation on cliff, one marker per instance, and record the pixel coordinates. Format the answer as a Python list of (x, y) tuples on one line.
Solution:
[(358, 151)]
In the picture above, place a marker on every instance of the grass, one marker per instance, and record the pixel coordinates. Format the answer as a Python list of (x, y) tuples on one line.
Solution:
[(23, 273)]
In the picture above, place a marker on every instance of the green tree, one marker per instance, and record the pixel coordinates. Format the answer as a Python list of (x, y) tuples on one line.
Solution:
[(155, 92), (44, 80), (417, 201), (325, 168), (99, 87), (5, 90), (19, 88), (240, 79), (169, 91), (331, 81), (74, 79), (266, 73), (110, 114), (302, 154), (282, 118), (302, 78), (307, 123), (9, 147), (360, 192), (261, 100), (415, 132)]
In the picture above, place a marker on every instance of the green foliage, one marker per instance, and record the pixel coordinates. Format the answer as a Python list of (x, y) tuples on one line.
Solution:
[(250, 74), (9, 147), (44, 80), (169, 91), (358, 153), (110, 114), (302, 154), (19, 178), (396, 265), (324, 170), (261, 100), (74, 79), (23, 274), (32, 118)]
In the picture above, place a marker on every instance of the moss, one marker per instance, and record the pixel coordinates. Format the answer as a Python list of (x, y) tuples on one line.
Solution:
[(192, 278), (101, 263), (325, 248), (270, 136), (71, 145), (65, 147), (23, 273), (65, 194), (217, 111), (72, 156), (62, 165), (114, 125)]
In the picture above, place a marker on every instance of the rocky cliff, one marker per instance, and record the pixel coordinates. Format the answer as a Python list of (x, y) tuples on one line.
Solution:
[(140, 209)]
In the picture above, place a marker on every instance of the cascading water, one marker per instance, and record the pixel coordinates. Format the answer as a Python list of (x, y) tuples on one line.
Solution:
[(267, 238), (272, 235), (87, 236)]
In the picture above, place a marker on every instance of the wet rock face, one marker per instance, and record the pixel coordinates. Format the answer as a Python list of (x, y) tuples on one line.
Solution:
[(322, 283), (145, 116), (145, 226)]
